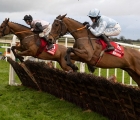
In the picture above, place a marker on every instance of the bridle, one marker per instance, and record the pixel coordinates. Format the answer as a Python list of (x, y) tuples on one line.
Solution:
[(60, 32), (3, 31)]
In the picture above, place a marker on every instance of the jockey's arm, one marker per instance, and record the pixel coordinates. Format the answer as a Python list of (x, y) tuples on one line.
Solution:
[(99, 30), (38, 27)]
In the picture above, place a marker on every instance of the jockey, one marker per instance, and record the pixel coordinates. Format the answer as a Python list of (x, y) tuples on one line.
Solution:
[(103, 27), (41, 26)]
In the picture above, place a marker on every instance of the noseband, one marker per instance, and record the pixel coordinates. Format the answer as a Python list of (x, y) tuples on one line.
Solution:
[(61, 24)]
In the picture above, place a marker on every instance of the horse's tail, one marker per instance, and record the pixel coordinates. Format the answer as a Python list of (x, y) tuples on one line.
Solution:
[(91, 68)]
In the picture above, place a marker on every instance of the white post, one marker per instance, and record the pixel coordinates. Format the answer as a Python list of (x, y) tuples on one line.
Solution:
[(66, 42), (82, 67), (11, 70), (130, 81), (123, 77), (99, 73), (107, 73), (116, 72)]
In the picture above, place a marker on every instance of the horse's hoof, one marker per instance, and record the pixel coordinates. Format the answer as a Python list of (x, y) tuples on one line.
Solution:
[(76, 68), (21, 58), (3, 58)]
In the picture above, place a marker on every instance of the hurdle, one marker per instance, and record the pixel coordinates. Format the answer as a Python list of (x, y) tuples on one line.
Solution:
[(113, 100)]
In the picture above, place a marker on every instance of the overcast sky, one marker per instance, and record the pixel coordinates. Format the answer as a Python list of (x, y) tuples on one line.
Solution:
[(126, 12)]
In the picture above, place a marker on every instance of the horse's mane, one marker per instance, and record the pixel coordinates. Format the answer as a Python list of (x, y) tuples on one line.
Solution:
[(74, 20), (21, 25), (68, 18)]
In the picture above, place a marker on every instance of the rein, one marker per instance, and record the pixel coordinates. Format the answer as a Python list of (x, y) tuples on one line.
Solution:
[(86, 38), (78, 29), (90, 39), (65, 26)]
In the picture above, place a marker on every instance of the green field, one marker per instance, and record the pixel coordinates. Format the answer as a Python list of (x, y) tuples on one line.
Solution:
[(21, 103)]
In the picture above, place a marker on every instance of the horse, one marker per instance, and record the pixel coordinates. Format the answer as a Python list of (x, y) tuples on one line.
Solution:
[(88, 48), (30, 45)]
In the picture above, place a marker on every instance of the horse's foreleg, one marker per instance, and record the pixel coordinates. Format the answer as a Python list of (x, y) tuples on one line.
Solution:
[(68, 59), (24, 53), (27, 52), (13, 48), (83, 55)]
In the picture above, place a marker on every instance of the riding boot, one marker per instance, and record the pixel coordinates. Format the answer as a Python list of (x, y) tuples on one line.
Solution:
[(109, 46), (49, 43)]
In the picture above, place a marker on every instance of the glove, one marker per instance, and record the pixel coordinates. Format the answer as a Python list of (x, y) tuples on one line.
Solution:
[(85, 23), (87, 26)]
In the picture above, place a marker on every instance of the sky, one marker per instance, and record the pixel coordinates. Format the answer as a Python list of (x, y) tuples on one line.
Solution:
[(125, 12)]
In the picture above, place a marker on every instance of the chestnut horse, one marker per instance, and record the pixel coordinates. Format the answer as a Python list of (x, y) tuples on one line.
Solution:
[(29, 47), (88, 50)]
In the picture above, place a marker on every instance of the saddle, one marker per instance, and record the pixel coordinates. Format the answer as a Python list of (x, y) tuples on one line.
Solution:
[(41, 43), (118, 51)]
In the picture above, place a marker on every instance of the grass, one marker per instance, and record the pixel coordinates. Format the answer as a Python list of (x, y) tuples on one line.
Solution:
[(21, 103), (2, 50)]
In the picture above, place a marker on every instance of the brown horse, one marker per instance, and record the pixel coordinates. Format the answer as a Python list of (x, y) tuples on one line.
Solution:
[(87, 49), (29, 46)]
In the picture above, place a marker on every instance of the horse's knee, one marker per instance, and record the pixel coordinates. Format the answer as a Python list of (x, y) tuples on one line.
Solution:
[(88, 59), (69, 50)]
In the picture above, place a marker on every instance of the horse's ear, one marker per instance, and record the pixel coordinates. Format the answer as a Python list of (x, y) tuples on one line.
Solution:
[(6, 20), (58, 16), (62, 16)]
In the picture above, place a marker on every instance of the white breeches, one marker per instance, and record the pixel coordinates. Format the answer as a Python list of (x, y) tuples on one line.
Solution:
[(46, 31), (113, 31)]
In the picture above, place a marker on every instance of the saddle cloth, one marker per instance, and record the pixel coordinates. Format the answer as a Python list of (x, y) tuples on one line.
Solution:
[(44, 46), (118, 51)]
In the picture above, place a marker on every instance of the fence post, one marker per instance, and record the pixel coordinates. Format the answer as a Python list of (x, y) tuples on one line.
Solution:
[(11, 70), (82, 67)]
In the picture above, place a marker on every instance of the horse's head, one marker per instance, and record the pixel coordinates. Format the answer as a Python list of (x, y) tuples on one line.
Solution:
[(4, 28), (58, 28)]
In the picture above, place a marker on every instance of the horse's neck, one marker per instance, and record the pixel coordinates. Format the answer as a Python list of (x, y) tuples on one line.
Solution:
[(74, 25), (19, 31)]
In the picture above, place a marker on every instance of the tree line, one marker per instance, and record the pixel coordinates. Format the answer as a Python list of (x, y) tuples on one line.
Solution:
[(124, 40)]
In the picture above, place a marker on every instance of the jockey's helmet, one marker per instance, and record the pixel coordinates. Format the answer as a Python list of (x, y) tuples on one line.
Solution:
[(28, 17), (94, 13)]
